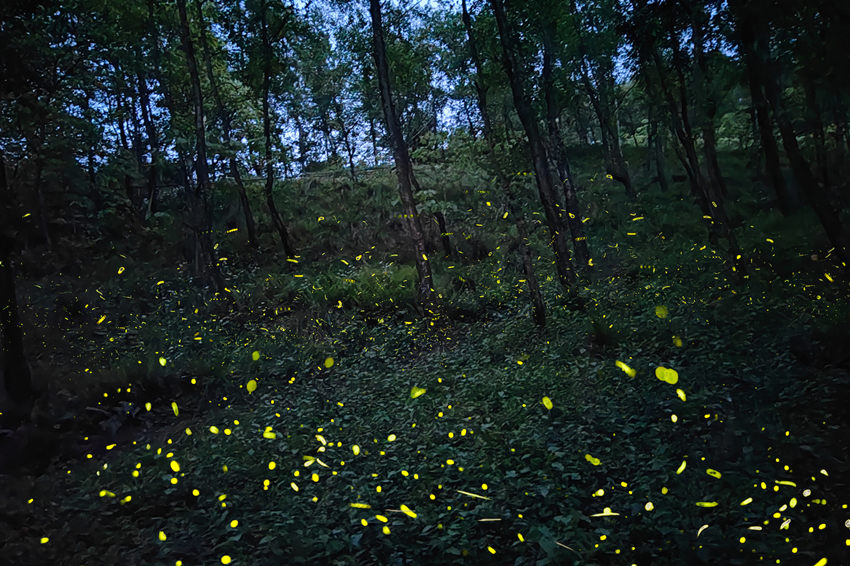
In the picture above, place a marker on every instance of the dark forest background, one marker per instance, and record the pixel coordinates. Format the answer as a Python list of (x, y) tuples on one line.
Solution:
[(552, 282)]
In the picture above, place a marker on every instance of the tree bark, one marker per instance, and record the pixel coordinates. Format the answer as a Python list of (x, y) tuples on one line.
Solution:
[(559, 155), (269, 187), (226, 128), (537, 304), (539, 158), (199, 202), (427, 294)]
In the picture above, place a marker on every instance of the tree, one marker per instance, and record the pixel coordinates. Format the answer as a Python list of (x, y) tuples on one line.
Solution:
[(201, 223), (538, 306), (652, 28), (404, 169), (559, 151), (267, 131), (597, 43), (754, 36), (14, 369), (224, 116), (539, 156)]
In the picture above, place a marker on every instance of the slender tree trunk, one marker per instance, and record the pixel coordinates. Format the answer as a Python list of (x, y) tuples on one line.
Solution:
[(573, 209), (35, 149), (601, 99), (346, 138), (373, 136), (545, 186), (147, 115), (706, 103), (747, 40), (537, 304), (762, 69), (122, 128), (14, 372), (656, 145), (427, 294), (199, 203), (813, 113), (91, 171), (269, 187), (226, 129), (153, 143)]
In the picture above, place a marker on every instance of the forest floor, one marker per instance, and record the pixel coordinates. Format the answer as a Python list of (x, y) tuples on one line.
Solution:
[(669, 413)]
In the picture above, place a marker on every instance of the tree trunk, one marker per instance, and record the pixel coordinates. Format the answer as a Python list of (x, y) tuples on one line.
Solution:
[(537, 304), (224, 117), (144, 94), (404, 169), (153, 143), (817, 195), (15, 372), (655, 145), (545, 186), (600, 96), (269, 187), (346, 138), (706, 103), (573, 209), (747, 40), (199, 205), (448, 249)]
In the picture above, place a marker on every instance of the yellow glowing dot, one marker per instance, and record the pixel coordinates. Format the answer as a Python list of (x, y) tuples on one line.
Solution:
[(491, 550), (450, 462), (649, 506), (391, 438), (386, 529), (251, 386), (225, 559), (355, 449), (175, 466), (44, 540), (162, 535), (214, 429), (255, 355), (329, 362), (272, 465), (408, 511), (234, 523), (162, 361), (315, 477), (484, 486), (547, 403)]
